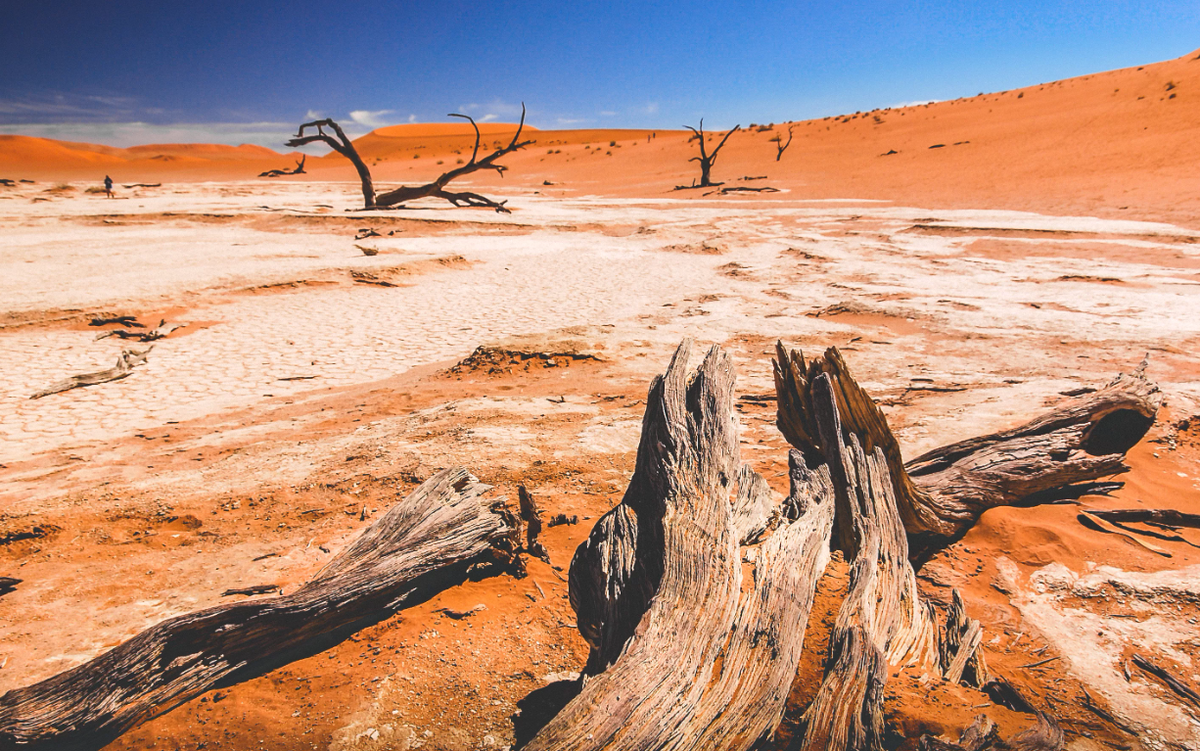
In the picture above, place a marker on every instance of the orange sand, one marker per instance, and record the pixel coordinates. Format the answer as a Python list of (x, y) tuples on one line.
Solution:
[(1108, 143)]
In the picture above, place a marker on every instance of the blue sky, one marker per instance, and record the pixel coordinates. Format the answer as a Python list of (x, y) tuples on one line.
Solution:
[(123, 72)]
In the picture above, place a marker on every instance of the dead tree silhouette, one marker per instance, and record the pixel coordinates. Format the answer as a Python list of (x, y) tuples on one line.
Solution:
[(707, 160), (780, 146), (436, 189)]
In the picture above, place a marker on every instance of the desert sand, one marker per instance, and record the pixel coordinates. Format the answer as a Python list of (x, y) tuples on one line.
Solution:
[(974, 261)]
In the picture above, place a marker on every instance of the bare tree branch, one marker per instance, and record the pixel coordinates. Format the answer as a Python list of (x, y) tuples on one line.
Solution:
[(780, 146)]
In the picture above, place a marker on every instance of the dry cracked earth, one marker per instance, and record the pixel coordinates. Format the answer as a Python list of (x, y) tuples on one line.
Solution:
[(325, 367)]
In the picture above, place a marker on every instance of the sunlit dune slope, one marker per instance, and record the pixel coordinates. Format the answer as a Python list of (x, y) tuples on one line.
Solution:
[(47, 159), (1122, 141)]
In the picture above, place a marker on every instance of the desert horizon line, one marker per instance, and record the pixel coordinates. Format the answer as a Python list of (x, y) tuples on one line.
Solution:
[(360, 122)]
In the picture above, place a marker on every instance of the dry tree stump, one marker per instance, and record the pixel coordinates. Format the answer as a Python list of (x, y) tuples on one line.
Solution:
[(682, 648), (686, 654), (424, 544)]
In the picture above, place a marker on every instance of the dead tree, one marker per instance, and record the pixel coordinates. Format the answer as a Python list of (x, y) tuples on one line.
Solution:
[(780, 146), (281, 172), (422, 545), (435, 189), (706, 159), (342, 145)]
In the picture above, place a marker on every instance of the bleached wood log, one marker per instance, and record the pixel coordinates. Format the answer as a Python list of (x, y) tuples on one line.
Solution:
[(1064, 453), (681, 656), (959, 656), (419, 547), (126, 362), (881, 621)]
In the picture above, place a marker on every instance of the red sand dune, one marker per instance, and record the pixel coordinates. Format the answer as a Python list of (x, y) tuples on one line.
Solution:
[(1125, 141)]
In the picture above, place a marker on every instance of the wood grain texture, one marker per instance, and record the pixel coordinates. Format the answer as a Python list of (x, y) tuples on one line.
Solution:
[(422, 545), (685, 653), (881, 620), (1063, 453)]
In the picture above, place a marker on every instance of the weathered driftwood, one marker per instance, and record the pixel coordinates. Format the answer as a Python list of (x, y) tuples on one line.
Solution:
[(940, 494), (1168, 520), (743, 189), (959, 656), (435, 189), (123, 369), (422, 545), (1183, 690), (982, 735), (532, 519), (882, 621), (130, 321), (1103, 525), (683, 655)]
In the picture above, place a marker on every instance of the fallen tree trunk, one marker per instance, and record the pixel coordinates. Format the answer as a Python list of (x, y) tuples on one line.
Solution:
[(123, 369), (299, 170), (422, 545), (940, 494)]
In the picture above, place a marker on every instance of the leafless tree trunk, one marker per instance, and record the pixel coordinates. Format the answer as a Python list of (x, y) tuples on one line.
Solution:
[(780, 145), (435, 189), (707, 160), (341, 145)]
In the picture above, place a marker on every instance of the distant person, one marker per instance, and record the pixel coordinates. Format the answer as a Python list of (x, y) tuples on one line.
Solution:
[(108, 187)]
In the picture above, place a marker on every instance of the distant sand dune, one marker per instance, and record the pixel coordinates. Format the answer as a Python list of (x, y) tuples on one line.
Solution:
[(1124, 140)]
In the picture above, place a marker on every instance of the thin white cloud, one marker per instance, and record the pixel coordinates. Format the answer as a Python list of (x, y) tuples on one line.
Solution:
[(412, 118), (269, 134), (494, 109), (651, 108), (572, 120), (314, 115), (487, 118), (371, 118), (607, 113), (52, 106)]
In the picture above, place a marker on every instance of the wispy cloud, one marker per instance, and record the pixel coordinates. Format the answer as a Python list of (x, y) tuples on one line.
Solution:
[(269, 134), (572, 120), (494, 110), (607, 113), (371, 118), (57, 106), (314, 115)]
